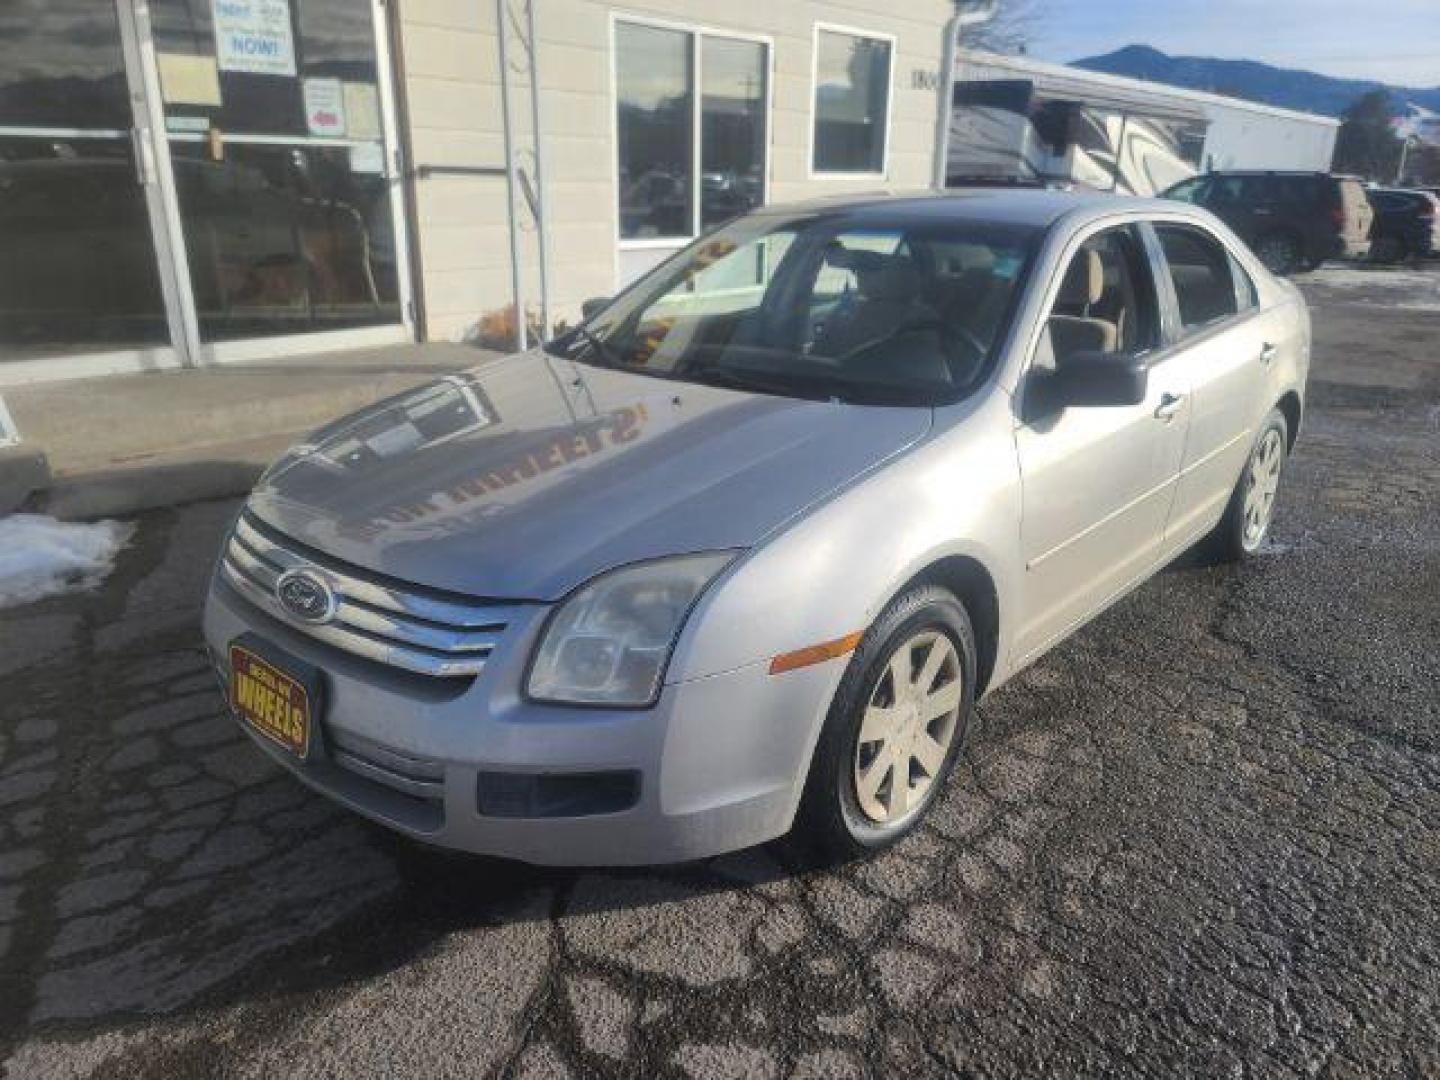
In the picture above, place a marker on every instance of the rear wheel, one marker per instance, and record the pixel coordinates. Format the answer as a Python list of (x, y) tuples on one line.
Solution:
[(894, 729), (1252, 504), (1280, 252)]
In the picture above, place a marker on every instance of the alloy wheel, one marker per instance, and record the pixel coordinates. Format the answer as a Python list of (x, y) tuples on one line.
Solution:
[(907, 728), (1262, 482)]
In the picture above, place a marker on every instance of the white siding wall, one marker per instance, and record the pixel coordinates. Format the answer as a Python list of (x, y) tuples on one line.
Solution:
[(449, 50)]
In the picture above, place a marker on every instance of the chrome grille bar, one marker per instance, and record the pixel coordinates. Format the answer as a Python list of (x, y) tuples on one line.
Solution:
[(414, 632)]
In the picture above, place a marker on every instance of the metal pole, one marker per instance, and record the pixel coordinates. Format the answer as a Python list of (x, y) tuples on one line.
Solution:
[(541, 226), (522, 336)]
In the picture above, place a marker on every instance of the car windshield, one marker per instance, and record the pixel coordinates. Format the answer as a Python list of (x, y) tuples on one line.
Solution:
[(820, 307)]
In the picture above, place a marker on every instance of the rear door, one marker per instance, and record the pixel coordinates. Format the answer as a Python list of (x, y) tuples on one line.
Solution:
[(1097, 482), (1218, 337)]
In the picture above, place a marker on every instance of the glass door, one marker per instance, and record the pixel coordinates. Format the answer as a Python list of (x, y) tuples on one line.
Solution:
[(80, 271), (275, 116)]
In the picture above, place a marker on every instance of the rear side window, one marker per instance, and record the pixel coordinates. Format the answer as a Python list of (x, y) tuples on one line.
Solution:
[(1206, 289)]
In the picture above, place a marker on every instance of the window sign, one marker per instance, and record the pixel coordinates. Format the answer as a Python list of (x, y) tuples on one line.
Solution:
[(368, 158), (189, 80), (362, 110), (255, 36), (325, 107)]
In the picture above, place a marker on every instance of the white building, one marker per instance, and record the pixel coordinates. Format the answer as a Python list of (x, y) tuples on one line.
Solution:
[(185, 182)]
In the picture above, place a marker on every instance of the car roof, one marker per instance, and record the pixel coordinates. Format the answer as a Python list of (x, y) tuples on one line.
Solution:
[(1005, 206)]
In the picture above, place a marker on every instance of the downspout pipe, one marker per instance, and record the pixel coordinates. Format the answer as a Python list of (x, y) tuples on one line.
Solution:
[(946, 99), (522, 334), (542, 224), (963, 13)]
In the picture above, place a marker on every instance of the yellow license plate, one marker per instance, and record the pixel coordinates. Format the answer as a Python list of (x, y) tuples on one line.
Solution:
[(272, 702)]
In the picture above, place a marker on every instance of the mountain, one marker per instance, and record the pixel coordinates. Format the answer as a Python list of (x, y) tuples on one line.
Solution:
[(1303, 90)]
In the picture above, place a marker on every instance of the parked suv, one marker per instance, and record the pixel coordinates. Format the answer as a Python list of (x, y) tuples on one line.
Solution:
[(1407, 224), (1292, 220)]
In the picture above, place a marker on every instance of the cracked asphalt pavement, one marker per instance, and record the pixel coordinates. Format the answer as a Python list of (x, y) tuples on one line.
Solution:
[(1200, 838)]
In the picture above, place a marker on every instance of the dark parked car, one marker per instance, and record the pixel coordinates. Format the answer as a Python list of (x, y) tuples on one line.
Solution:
[(1292, 220), (1407, 224)]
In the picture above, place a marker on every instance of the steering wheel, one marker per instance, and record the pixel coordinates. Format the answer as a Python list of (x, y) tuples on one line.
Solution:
[(918, 325), (940, 326)]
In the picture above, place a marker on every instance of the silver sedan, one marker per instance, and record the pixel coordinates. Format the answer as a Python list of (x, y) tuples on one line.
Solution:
[(737, 555)]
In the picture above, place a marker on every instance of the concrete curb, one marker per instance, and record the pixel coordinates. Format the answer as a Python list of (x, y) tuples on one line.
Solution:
[(23, 471)]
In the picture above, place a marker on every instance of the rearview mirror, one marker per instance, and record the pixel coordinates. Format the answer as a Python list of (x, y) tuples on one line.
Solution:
[(1092, 377), (592, 307)]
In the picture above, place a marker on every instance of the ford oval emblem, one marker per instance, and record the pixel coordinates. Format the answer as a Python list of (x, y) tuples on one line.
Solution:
[(306, 595)]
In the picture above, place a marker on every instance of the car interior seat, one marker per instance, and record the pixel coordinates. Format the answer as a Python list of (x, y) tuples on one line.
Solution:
[(1077, 324)]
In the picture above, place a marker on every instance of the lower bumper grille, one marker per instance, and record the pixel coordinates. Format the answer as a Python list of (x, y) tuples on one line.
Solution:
[(417, 777)]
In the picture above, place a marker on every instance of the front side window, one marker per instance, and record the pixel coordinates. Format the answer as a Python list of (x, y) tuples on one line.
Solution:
[(1106, 302), (1201, 269), (820, 307), (672, 87), (852, 102)]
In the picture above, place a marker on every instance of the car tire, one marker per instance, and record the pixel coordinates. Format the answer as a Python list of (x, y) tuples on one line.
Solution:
[(852, 804), (1280, 252), (1251, 509)]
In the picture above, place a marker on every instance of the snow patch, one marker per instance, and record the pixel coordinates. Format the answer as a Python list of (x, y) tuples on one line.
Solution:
[(40, 556)]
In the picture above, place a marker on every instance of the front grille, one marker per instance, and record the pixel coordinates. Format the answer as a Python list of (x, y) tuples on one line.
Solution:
[(411, 629)]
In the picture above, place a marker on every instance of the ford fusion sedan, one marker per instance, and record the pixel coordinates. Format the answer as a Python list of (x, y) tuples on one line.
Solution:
[(736, 556)]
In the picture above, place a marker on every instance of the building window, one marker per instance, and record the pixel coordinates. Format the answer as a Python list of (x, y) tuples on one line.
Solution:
[(669, 84), (852, 102)]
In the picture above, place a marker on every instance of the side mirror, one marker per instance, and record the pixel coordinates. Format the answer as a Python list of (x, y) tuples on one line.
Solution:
[(592, 307), (1090, 377)]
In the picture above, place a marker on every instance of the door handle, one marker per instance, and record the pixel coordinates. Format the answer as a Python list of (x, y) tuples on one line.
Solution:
[(1170, 404), (1268, 354)]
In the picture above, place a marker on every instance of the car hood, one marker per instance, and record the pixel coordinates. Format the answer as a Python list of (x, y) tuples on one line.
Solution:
[(526, 476)]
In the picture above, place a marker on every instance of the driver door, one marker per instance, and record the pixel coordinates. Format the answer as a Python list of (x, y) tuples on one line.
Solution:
[(1097, 481)]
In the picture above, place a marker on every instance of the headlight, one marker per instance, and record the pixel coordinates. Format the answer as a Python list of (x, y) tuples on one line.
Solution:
[(609, 643)]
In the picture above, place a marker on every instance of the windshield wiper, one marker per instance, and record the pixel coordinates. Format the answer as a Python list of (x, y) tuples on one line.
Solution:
[(816, 386), (599, 345), (762, 383)]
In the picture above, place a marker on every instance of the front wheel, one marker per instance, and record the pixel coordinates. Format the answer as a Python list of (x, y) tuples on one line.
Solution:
[(1252, 504), (894, 729)]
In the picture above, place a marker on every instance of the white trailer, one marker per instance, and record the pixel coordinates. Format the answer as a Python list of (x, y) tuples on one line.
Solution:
[(1014, 119)]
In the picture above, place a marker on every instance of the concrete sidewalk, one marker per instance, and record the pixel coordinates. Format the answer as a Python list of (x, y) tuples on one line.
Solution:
[(124, 443)]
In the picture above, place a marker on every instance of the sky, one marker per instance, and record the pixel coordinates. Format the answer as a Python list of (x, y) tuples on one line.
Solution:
[(1392, 41)]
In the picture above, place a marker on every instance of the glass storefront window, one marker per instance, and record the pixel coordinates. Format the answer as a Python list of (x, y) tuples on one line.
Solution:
[(61, 65), (285, 239), (655, 126), (78, 269), (273, 113), (732, 128), (852, 102)]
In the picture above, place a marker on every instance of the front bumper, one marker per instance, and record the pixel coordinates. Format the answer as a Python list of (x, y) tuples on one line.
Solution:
[(720, 761)]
